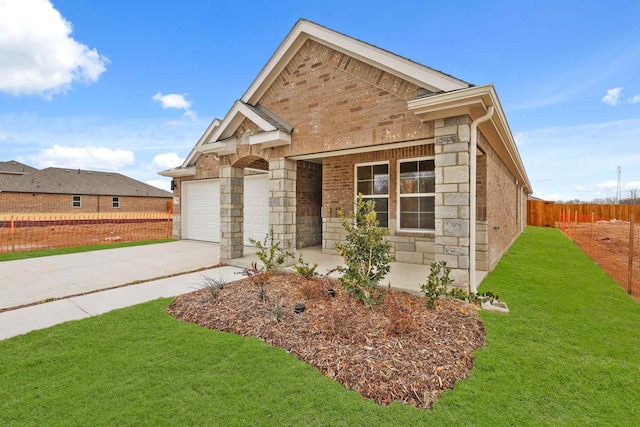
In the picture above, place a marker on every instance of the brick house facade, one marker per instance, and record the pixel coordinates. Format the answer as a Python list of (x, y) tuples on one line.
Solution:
[(24, 189), (329, 117)]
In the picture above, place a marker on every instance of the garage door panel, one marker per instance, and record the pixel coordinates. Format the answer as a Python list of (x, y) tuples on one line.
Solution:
[(201, 207)]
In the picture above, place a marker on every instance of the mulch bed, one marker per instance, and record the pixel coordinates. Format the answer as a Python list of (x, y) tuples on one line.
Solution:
[(395, 351)]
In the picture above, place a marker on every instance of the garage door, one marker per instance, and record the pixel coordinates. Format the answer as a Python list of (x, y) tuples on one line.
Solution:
[(256, 207), (201, 210)]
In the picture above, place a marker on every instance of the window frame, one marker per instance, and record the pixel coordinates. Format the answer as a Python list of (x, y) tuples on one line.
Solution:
[(400, 196), (79, 201), (373, 196), (115, 202)]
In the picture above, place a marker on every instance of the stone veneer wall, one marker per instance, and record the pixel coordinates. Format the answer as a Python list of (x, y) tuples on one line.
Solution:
[(452, 195)]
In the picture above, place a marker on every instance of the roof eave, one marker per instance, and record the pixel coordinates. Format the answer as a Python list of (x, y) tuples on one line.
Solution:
[(474, 101), (178, 172)]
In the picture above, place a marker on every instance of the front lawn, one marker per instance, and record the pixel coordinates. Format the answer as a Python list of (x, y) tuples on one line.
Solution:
[(12, 256), (567, 354)]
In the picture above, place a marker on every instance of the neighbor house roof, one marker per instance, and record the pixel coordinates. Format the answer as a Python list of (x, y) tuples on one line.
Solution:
[(74, 181), (15, 168)]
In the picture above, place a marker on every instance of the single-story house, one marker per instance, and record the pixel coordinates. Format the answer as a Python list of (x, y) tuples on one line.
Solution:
[(25, 189), (330, 116)]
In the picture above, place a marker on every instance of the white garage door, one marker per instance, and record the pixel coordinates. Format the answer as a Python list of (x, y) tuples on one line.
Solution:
[(256, 207), (201, 210)]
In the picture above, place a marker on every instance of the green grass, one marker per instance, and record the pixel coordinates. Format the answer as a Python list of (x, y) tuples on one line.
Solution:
[(567, 354), (12, 256)]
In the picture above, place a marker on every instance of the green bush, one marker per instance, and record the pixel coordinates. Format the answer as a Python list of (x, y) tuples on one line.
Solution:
[(437, 283), (271, 253), (366, 253)]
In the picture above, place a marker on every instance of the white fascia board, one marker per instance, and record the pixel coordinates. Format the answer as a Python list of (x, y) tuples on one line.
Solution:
[(473, 101), (194, 154), (408, 70), (234, 117), (219, 148), (178, 172), (271, 139)]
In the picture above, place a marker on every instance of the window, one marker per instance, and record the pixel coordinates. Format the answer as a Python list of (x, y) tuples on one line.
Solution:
[(115, 202), (417, 187), (77, 202), (372, 181)]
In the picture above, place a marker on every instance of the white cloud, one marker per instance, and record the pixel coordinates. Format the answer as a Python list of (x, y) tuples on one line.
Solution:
[(97, 158), (613, 96), (163, 184), (37, 53), (177, 101), (172, 100), (166, 161), (635, 99), (3, 136)]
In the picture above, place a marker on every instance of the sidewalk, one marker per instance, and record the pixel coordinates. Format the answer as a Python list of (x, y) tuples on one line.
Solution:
[(21, 321)]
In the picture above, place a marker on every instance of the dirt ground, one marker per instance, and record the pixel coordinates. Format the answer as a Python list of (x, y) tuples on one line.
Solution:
[(609, 247)]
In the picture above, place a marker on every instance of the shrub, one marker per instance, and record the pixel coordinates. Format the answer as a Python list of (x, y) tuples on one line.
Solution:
[(212, 287), (400, 318), (366, 253), (271, 253), (437, 283), (303, 268)]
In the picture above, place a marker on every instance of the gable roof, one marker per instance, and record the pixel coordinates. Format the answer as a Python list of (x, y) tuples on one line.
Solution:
[(248, 107), (77, 181), (15, 168), (303, 30)]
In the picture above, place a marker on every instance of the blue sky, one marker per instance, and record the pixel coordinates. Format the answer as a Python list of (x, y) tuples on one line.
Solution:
[(135, 83)]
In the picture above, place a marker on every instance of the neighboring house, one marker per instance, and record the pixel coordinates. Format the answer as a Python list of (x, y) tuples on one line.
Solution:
[(330, 116), (26, 189)]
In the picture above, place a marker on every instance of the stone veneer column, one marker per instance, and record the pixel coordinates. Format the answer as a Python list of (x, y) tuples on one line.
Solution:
[(452, 137), (231, 213), (282, 203)]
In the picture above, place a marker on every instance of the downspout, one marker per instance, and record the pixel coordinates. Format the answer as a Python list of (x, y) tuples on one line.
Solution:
[(473, 146)]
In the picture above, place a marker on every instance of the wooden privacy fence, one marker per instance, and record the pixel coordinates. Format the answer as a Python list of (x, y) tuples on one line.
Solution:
[(546, 214), (31, 232)]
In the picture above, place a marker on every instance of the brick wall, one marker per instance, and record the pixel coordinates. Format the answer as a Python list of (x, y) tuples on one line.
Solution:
[(62, 203), (502, 221), (336, 102), (308, 204)]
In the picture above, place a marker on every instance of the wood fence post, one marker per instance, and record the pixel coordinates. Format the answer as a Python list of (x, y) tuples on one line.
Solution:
[(631, 237), (591, 235)]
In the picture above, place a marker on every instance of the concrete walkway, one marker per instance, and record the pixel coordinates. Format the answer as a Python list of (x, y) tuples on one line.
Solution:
[(39, 279)]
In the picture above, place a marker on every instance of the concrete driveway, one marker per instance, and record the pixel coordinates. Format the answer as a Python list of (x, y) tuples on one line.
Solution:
[(38, 279)]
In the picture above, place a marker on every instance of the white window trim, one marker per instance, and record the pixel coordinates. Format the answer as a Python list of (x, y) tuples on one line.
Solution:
[(372, 196), (398, 218), (73, 201), (115, 200)]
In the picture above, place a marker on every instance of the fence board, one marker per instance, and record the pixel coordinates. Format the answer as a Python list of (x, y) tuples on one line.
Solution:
[(546, 214)]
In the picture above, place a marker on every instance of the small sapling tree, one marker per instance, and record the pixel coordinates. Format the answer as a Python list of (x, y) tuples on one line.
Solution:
[(366, 253)]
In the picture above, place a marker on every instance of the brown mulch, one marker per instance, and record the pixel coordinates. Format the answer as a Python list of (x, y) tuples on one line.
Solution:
[(396, 351)]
